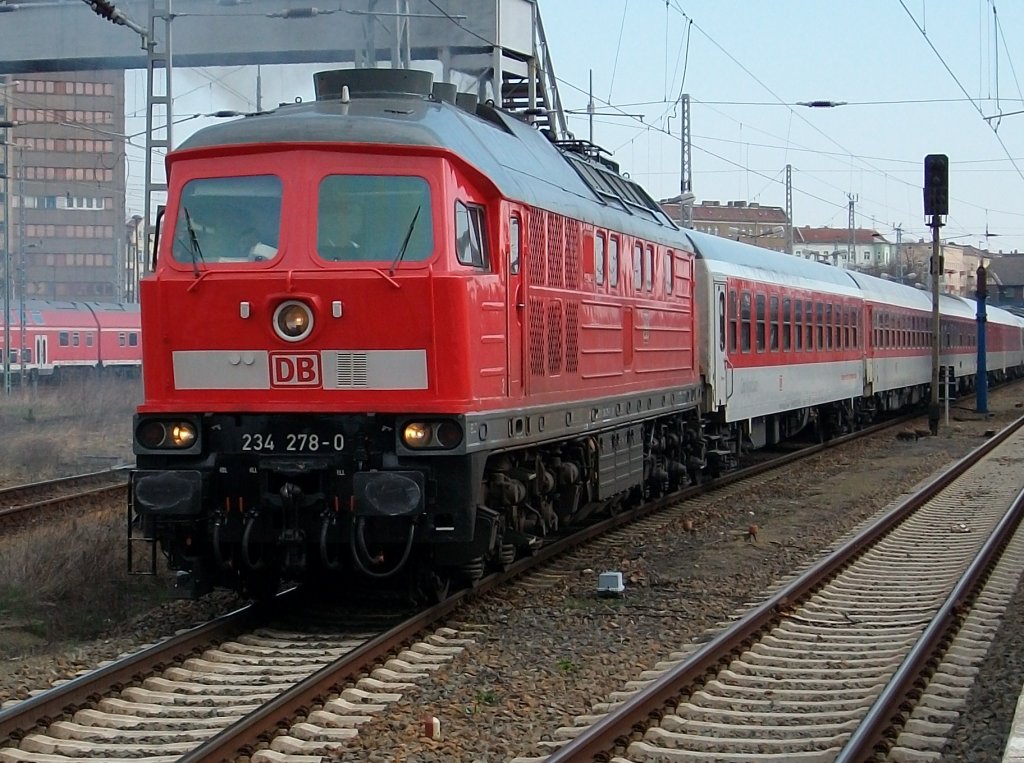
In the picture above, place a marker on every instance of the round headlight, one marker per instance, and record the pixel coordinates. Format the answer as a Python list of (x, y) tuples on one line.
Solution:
[(182, 435), (449, 434), (293, 321), (151, 434), (416, 435)]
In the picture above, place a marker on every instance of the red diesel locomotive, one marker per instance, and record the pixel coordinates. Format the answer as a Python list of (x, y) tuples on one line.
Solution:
[(392, 338), (379, 342)]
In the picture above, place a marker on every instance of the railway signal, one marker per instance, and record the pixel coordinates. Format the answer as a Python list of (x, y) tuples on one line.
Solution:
[(936, 204)]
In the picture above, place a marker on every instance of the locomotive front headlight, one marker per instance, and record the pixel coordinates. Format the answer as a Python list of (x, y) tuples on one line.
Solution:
[(417, 435), (165, 434), (432, 435), (151, 434), (293, 320), (182, 435)]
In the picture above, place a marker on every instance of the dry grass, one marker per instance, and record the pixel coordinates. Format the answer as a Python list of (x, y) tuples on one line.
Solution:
[(67, 429), (68, 580)]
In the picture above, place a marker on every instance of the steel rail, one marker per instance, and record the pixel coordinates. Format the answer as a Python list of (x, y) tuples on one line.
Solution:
[(42, 709), (648, 704), (58, 481), (885, 713)]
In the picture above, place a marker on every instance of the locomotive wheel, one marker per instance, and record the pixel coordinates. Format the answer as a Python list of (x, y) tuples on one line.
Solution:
[(429, 586)]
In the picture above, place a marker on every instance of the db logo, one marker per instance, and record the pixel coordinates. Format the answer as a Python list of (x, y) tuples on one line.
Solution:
[(293, 370)]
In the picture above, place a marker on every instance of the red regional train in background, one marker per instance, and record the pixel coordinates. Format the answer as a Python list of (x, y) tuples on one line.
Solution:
[(394, 338), (72, 339)]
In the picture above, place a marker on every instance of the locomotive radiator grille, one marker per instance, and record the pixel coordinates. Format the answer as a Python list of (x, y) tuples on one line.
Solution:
[(351, 369)]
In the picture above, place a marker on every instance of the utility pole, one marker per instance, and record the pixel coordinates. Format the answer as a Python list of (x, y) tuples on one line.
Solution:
[(936, 204), (685, 163), (21, 274), (789, 208), (851, 247), (899, 250), (7, 254)]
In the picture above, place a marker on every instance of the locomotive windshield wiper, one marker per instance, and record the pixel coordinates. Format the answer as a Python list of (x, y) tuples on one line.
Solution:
[(194, 249), (405, 243)]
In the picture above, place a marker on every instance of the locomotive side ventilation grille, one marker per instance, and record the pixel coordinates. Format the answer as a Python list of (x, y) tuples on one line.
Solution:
[(555, 337), (536, 336), (556, 252), (572, 337), (538, 246), (554, 261)]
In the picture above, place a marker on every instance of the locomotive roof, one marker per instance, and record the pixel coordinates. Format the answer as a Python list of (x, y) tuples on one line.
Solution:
[(522, 163)]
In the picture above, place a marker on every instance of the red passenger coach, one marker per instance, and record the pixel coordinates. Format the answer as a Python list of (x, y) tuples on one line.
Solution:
[(71, 338), (397, 339)]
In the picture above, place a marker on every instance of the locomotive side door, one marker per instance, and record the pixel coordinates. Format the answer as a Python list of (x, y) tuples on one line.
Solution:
[(515, 296), (718, 321)]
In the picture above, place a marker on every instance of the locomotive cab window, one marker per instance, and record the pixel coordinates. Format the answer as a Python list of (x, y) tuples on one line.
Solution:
[(613, 262), (514, 245), (374, 218), (228, 220), (599, 259), (470, 247)]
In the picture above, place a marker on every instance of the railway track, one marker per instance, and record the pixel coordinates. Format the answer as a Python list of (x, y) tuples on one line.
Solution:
[(22, 504), (867, 654), (122, 712)]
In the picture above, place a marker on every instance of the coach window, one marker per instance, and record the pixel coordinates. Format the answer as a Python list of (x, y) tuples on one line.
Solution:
[(819, 323), (63, 339), (760, 322), (773, 327), (649, 269), (133, 339), (599, 259), (721, 322), (74, 339), (88, 339), (808, 325), (122, 339), (514, 245), (637, 267), (613, 261), (670, 259), (745, 322), (733, 319), (798, 323), (856, 326), (828, 325), (787, 324)]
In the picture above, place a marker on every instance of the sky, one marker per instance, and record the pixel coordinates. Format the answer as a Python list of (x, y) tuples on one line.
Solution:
[(913, 77)]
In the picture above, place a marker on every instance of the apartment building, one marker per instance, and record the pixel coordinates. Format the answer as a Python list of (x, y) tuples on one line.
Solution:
[(63, 184)]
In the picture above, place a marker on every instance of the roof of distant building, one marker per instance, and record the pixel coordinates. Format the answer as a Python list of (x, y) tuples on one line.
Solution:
[(730, 212), (862, 236), (1008, 271)]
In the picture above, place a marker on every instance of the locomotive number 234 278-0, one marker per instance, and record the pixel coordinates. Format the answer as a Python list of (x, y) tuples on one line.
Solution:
[(298, 442)]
